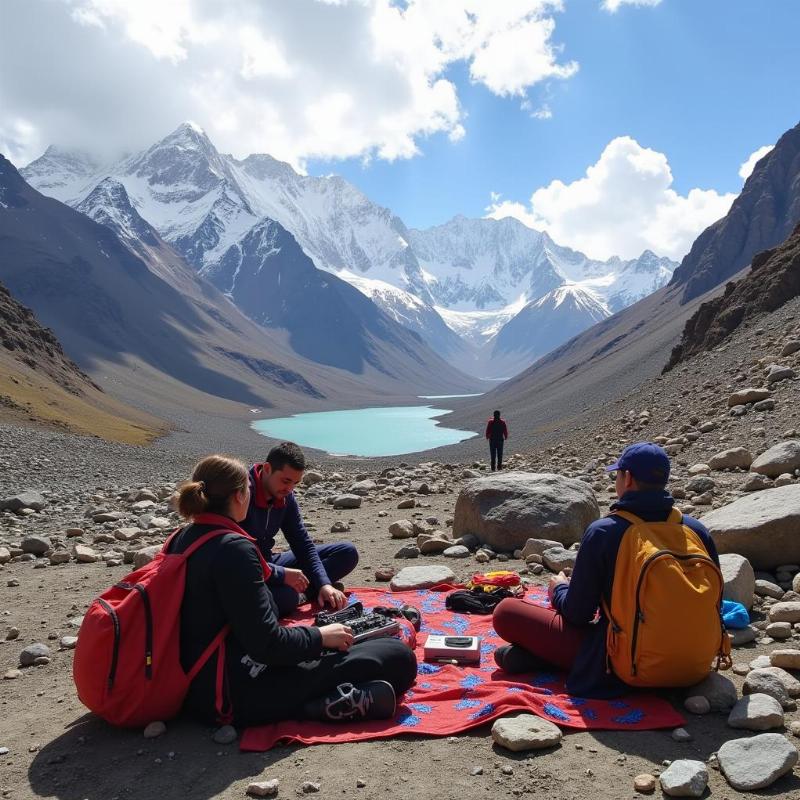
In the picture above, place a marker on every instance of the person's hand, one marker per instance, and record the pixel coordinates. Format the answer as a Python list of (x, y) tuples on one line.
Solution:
[(556, 580), (336, 637), (332, 597), (295, 579)]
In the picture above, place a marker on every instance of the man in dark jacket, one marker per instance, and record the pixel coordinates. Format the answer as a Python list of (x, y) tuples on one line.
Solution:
[(496, 433), (305, 571), (572, 635)]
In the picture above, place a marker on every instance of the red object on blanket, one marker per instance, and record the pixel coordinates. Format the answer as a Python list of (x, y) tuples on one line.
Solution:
[(447, 699)]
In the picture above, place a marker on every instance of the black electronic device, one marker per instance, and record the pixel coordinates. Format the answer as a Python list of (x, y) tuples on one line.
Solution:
[(364, 624)]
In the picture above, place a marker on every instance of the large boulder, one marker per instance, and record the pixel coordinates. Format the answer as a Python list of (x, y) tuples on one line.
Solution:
[(740, 580), (783, 457), (506, 510), (762, 527)]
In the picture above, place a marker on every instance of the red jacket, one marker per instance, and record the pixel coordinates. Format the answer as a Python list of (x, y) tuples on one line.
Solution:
[(498, 431)]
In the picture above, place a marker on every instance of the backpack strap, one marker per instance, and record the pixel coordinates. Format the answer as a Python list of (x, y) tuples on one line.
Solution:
[(675, 517)]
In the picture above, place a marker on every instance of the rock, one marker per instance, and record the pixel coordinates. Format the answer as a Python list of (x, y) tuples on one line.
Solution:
[(644, 783), (756, 712), (766, 588), (12, 675), (37, 545), (310, 477), (791, 684), (347, 501), (701, 484), (761, 527), (68, 642), (731, 459), (742, 636), (5, 555), (757, 762), (60, 557), (783, 457), (718, 690), (538, 546), (790, 347), (525, 732), (740, 580), (557, 559), (785, 612), (108, 516), (456, 551), (681, 735), (433, 545), (225, 735), (697, 704), (12, 634), (28, 656), (794, 727), (760, 681), (745, 396), (127, 534), (310, 787), (142, 505), (786, 659), (764, 405), (779, 373), (407, 551), (779, 630), (760, 662), (384, 575), (409, 502), (84, 554), (26, 499), (505, 510), (684, 778), (699, 469), (423, 577), (145, 555), (263, 788), (340, 527), (154, 730), (756, 482), (362, 488), (401, 529)]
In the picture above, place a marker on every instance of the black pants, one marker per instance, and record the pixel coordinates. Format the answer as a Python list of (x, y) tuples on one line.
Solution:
[(496, 453), (279, 693)]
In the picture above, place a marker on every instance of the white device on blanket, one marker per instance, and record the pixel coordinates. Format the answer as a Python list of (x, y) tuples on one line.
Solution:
[(453, 649)]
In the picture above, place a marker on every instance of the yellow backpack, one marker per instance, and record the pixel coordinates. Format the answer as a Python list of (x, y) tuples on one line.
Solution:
[(665, 623)]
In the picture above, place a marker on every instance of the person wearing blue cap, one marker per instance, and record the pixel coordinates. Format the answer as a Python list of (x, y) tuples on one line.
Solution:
[(572, 635)]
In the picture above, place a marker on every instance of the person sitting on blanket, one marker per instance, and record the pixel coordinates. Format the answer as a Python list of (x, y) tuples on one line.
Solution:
[(569, 636), (305, 571), (270, 672)]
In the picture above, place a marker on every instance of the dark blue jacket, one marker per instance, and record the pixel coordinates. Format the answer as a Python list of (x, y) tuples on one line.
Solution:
[(266, 516), (592, 579)]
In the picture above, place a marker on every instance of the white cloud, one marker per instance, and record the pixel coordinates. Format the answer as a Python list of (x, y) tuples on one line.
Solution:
[(749, 165), (623, 205), (299, 79), (614, 5)]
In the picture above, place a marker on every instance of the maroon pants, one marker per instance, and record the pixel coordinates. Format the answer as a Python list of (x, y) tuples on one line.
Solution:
[(540, 631)]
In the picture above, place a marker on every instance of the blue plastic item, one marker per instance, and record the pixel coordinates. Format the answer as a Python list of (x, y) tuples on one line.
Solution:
[(734, 615)]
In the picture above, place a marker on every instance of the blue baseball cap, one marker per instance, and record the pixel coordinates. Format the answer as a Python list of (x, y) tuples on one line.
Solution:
[(647, 462)]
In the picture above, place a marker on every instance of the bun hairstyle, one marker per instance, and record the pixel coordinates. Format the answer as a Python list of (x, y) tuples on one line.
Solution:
[(213, 481)]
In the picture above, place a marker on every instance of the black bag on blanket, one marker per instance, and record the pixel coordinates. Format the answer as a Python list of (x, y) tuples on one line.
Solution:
[(476, 601)]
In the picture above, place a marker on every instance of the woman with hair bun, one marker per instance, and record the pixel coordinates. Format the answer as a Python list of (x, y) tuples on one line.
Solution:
[(269, 672)]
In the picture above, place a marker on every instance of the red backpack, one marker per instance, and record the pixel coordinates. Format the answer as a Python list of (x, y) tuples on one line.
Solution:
[(127, 666)]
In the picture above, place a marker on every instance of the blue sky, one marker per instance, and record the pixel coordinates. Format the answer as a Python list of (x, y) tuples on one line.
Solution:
[(705, 82), (431, 107)]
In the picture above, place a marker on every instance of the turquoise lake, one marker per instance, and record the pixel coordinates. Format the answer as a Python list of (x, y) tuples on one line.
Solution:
[(365, 431)]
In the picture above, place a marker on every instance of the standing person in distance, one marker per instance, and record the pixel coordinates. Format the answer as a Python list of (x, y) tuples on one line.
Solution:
[(496, 433), (269, 672), (305, 572)]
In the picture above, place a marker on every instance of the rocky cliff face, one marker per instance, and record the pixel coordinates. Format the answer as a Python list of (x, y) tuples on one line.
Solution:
[(761, 217), (773, 280)]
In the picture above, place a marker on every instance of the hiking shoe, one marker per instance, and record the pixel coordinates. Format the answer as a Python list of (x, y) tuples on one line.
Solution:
[(371, 700), (514, 659)]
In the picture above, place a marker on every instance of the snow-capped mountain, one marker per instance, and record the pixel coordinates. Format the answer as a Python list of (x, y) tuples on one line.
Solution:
[(467, 278)]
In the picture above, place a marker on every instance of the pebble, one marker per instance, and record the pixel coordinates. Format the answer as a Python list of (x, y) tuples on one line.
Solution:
[(68, 642), (263, 788), (684, 778), (476, 771), (681, 735), (12, 675), (525, 732), (154, 730), (310, 787), (12, 633), (360, 783), (697, 705), (225, 735), (32, 653)]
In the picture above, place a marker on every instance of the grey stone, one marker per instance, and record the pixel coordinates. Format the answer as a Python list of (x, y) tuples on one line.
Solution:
[(525, 732), (108, 516), (756, 762), (538, 546), (681, 735), (785, 659), (408, 551), (719, 690), (731, 458), (742, 636), (740, 580), (26, 499), (697, 704), (760, 681), (505, 510), (68, 642), (790, 347), (363, 488), (785, 612), (456, 551), (684, 778), (145, 555), (37, 545), (84, 554), (779, 630), (783, 457), (33, 651), (745, 396), (779, 373), (557, 558), (225, 735), (700, 484), (764, 405), (791, 683), (756, 483), (766, 588), (409, 502), (762, 527), (756, 712), (263, 788), (422, 577), (310, 477), (347, 501), (154, 730), (433, 545), (5, 555), (401, 529)]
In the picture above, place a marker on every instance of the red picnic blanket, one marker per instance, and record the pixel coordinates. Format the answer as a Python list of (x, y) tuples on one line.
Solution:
[(448, 699)]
